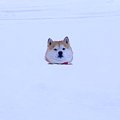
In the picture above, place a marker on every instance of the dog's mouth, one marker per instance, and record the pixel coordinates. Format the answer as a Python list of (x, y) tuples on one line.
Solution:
[(60, 56)]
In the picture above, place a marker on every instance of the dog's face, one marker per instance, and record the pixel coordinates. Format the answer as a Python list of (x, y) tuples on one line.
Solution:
[(59, 51)]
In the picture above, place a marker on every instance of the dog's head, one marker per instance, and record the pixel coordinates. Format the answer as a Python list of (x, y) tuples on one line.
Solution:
[(59, 51)]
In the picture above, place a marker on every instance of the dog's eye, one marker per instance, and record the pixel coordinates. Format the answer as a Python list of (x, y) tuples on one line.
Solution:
[(63, 48), (55, 49)]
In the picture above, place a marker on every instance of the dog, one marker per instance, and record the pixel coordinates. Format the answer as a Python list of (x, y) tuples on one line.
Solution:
[(59, 52)]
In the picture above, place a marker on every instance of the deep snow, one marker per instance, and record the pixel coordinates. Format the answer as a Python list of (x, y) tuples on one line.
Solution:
[(89, 89)]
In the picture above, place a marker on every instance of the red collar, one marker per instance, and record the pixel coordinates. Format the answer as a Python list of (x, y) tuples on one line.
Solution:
[(65, 63)]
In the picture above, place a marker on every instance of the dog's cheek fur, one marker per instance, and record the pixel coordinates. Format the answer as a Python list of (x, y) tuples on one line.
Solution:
[(68, 55), (50, 56)]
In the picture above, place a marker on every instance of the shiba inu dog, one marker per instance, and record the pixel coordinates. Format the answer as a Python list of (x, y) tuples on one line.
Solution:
[(59, 52)]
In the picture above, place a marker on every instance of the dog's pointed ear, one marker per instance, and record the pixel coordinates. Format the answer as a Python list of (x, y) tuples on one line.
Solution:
[(66, 40), (50, 41)]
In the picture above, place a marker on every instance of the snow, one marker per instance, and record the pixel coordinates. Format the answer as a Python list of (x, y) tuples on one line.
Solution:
[(31, 89)]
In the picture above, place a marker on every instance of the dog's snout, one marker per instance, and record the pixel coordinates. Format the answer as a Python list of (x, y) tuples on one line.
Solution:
[(60, 54)]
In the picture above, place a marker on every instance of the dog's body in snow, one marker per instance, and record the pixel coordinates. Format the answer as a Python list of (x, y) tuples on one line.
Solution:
[(59, 52)]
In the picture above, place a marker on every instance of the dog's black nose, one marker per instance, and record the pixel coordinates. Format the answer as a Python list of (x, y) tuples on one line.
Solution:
[(60, 54)]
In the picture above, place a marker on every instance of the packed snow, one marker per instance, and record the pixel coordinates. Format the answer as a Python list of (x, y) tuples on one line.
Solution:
[(31, 89)]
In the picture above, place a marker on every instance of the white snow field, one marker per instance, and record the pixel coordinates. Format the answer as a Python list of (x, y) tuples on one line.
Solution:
[(31, 89)]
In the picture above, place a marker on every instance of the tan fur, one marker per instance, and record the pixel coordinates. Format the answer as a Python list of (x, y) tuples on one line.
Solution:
[(58, 43)]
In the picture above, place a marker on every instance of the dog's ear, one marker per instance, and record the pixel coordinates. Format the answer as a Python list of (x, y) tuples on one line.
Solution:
[(50, 41), (66, 40)]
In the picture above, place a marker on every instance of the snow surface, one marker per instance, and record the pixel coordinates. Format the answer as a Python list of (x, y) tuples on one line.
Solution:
[(89, 89)]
